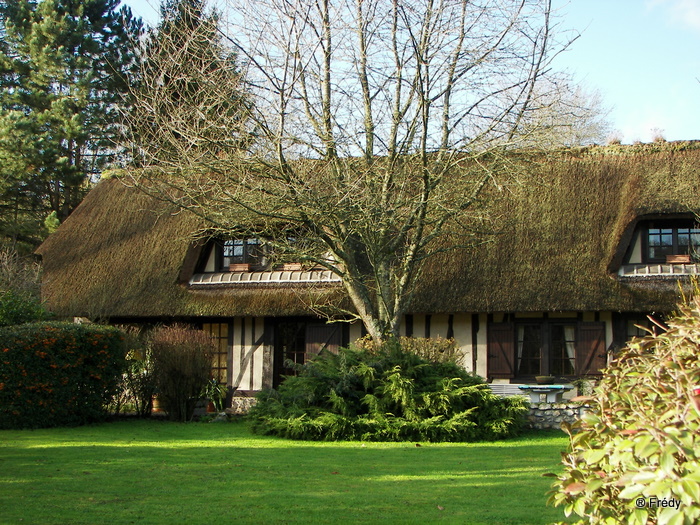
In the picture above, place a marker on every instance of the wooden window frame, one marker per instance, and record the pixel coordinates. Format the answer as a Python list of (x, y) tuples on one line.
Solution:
[(502, 347), (668, 224)]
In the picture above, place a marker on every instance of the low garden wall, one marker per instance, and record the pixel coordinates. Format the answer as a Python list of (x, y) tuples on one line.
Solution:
[(552, 415)]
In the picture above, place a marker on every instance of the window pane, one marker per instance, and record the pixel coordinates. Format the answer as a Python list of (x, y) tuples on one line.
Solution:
[(562, 352), (529, 350), (660, 242)]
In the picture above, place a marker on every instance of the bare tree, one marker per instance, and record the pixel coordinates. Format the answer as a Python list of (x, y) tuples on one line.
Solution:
[(378, 124)]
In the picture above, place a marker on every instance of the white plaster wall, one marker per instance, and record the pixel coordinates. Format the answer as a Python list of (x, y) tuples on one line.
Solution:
[(258, 348), (481, 348), (636, 255), (462, 328), (355, 331), (248, 357)]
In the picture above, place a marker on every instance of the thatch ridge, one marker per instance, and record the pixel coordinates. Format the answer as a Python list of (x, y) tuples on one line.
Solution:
[(122, 254)]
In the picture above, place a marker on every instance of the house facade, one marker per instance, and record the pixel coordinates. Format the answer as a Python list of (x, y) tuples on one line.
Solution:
[(594, 241)]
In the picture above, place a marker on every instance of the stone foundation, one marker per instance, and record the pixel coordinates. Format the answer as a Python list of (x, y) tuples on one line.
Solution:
[(240, 405), (552, 415)]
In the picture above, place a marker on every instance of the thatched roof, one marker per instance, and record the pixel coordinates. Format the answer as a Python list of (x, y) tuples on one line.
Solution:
[(121, 254)]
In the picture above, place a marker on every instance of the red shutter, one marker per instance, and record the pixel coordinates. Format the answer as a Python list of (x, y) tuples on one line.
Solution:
[(591, 356), (323, 336), (501, 351)]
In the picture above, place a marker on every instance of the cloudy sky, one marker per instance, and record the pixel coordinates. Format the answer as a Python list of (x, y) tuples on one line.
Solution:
[(642, 55)]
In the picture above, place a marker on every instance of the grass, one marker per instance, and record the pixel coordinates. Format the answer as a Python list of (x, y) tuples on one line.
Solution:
[(143, 471)]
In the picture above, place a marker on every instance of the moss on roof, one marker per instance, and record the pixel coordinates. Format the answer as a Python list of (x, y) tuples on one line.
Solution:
[(122, 254)]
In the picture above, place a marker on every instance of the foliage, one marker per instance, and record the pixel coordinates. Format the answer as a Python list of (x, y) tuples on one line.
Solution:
[(385, 395), (57, 373), (20, 274), (62, 72), (640, 442), (182, 359), (184, 61), (216, 393), (137, 386), (18, 308), (433, 349)]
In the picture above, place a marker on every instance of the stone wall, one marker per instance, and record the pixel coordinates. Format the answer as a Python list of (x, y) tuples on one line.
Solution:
[(240, 405), (551, 415)]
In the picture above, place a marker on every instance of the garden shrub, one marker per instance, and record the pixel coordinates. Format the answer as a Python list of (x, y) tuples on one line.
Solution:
[(640, 443), (137, 386), (436, 350), (385, 395), (182, 358), (56, 374), (17, 307)]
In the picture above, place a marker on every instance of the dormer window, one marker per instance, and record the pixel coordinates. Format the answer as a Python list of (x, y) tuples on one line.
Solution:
[(242, 251), (672, 241)]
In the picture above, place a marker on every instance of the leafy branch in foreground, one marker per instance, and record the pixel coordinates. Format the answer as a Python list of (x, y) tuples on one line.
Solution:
[(640, 443)]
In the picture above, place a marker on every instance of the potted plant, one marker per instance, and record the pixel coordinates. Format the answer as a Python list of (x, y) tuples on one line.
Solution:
[(216, 393), (678, 259)]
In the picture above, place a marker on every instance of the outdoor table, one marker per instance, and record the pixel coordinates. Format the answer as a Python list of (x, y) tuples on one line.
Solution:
[(554, 392)]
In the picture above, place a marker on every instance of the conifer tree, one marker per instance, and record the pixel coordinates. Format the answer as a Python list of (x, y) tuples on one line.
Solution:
[(63, 69), (188, 102)]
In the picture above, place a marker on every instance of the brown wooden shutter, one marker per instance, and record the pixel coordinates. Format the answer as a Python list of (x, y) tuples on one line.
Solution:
[(591, 356), (501, 351), (323, 336)]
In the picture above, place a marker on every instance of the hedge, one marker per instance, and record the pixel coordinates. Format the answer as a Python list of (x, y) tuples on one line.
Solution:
[(58, 374)]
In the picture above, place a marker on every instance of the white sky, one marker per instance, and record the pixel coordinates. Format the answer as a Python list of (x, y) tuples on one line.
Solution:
[(642, 55)]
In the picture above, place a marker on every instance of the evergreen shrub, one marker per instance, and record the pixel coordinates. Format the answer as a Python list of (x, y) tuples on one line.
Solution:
[(635, 457), (386, 394), (57, 374)]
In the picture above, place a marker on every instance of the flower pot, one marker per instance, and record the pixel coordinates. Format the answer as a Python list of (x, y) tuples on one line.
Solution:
[(290, 266), (239, 267), (544, 380), (678, 259)]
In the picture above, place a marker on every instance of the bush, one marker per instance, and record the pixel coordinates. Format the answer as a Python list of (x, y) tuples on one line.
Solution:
[(641, 438), (54, 374), (385, 395), (436, 350), (182, 359), (137, 386), (19, 307)]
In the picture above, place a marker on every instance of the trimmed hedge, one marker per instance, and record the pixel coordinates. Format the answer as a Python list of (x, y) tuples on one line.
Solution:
[(57, 374)]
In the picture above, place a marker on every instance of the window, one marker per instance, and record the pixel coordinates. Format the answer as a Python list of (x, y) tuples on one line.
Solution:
[(242, 251), (559, 348), (219, 365), (664, 238), (546, 349)]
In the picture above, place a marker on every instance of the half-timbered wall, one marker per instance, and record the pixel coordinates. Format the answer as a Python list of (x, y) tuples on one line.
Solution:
[(250, 354), (479, 336)]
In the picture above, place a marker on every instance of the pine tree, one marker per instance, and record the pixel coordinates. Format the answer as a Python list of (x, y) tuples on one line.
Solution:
[(189, 80), (63, 70)]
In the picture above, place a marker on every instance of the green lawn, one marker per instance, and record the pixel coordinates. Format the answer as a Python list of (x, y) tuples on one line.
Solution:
[(160, 472)]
